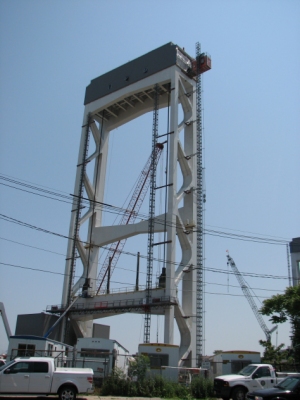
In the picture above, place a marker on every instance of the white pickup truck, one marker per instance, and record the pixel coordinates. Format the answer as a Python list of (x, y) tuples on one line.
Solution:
[(40, 376), (251, 378)]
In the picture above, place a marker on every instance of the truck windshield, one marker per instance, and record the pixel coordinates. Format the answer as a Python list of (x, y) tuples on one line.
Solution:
[(248, 370), (289, 383), (6, 365)]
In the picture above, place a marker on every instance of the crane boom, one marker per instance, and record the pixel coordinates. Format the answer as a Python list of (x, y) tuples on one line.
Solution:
[(249, 297), (5, 320), (129, 215), (59, 319)]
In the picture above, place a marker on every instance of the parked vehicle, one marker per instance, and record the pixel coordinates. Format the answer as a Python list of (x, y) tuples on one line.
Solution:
[(252, 377), (39, 376), (287, 389)]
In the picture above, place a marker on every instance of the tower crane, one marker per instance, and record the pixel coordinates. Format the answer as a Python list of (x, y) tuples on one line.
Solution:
[(129, 215), (249, 297)]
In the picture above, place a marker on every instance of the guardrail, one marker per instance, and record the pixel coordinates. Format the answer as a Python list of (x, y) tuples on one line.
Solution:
[(116, 304), (126, 289)]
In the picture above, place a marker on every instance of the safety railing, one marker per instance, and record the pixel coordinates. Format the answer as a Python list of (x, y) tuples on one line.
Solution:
[(127, 303)]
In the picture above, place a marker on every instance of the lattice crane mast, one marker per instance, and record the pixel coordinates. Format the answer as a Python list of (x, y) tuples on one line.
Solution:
[(129, 216), (249, 297), (5, 320)]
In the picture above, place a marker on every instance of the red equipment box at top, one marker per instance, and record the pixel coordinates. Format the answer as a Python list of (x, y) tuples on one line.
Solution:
[(204, 63)]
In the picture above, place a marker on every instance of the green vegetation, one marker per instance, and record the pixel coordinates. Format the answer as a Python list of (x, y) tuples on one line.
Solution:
[(202, 388), (138, 384), (281, 308), (138, 368), (274, 354), (157, 386)]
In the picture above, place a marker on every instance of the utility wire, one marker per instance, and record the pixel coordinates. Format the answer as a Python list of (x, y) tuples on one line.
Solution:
[(13, 220), (122, 283), (33, 247), (133, 270), (118, 210), (37, 194), (50, 272)]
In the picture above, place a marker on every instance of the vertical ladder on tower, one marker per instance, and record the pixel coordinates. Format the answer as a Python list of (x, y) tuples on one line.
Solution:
[(199, 293), (200, 65), (151, 219)]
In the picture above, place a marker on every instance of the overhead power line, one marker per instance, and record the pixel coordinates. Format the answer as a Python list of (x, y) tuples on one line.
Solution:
[(48, 272), (123, 283), (245, 237), (133, 270), (21, 223), (52, 195)]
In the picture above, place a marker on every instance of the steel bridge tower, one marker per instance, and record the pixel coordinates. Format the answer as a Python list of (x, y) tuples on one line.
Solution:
[(165, 77)]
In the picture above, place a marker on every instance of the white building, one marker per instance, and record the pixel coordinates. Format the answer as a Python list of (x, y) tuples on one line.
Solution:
[(30, 346), (231, 362), (161, 355), (102, 355)]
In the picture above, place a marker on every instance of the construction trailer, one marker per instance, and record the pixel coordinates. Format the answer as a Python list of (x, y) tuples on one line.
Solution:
[(231, 362), (162, 357), (102, 355), (37, 346)]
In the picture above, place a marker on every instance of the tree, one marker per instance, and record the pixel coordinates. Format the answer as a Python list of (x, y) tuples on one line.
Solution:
[(217, 352), (274, 354), (138, 368), (284, 307)]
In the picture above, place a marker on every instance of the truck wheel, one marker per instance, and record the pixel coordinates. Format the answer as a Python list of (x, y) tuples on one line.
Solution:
[(67, 393), (239, 393)]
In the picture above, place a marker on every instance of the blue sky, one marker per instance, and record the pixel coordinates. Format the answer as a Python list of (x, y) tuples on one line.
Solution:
[(51, 50)]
